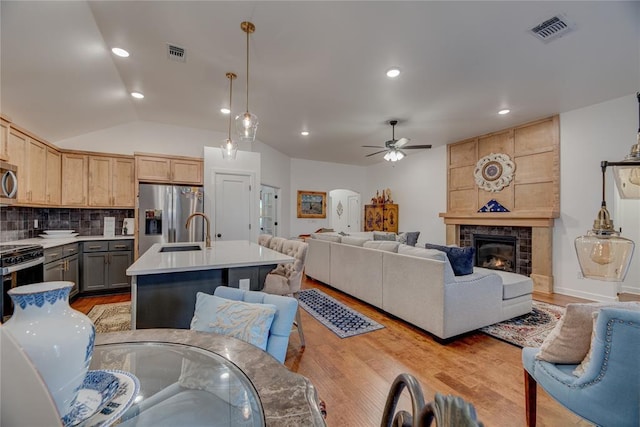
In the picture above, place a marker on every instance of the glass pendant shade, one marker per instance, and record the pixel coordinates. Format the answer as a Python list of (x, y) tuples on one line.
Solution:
[(229, 149), (604, 256), (247, 126), (628, 180)]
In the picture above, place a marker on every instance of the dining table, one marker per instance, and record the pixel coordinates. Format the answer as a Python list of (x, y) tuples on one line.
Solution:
[(190, 378)]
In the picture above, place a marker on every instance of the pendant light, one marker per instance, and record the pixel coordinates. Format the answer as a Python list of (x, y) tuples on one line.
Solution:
[(602, 253), (247, 123), (627, 171), (229, 147)]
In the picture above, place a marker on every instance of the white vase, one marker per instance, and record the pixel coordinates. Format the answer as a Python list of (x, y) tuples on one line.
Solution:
[(58, 339)]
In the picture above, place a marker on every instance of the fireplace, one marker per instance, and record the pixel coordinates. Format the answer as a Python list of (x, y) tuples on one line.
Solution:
[(495, 252)]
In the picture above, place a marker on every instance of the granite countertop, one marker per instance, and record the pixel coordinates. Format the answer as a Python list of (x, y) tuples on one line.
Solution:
[(287, 398), (52, 243), (221, 254)]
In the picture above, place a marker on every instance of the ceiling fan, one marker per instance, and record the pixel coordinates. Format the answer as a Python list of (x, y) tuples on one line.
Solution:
[(392, 147)]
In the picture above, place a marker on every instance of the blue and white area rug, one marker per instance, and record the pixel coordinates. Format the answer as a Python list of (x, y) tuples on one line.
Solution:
[(342, 320)]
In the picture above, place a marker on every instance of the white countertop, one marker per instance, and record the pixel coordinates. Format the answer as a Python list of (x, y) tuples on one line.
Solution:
[(222, 254), (52, 243)]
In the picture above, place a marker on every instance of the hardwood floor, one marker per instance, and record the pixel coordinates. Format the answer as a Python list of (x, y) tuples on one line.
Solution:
[(353, 375)]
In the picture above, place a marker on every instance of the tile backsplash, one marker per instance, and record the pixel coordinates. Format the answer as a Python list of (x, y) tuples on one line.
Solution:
[(17, 223)]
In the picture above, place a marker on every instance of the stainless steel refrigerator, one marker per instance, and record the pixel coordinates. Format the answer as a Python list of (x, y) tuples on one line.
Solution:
[(162, 214)]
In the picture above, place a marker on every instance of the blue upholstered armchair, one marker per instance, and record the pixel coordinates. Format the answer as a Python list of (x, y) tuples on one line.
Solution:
[(282, 323), (608, 393)]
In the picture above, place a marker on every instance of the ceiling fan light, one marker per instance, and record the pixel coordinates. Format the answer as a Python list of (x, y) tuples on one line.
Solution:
[(387, 156), (399, 155)]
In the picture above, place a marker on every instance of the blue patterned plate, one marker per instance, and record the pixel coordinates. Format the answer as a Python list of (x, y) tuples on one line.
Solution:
[(95, 392), (114, 409)]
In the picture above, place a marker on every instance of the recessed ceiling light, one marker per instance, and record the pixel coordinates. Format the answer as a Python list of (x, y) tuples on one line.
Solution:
[(304, 133), (225, 111), (503, 112), (120, 52), (137, 95), (393, 72)]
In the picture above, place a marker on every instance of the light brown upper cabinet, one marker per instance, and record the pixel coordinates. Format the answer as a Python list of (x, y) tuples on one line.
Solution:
[(111, 181), (38, 169), (169, 169), (4, 135), (75, 179)]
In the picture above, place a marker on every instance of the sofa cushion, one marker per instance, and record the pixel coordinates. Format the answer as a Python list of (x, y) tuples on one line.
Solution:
[(422, 252), (382, 245), (513, 284), (355, 241), (249, 322), (570, 339), (408, 237), (461, 259), (327, 237), (379, 235)]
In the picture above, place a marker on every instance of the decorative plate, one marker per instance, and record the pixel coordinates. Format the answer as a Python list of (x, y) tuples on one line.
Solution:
[(128, 390), (58, 236), (494, 172), (96, 390)]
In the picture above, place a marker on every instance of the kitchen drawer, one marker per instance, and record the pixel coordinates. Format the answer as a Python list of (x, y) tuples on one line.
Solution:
[(95, 246), (121, 245), (53, 254), (70, 249)]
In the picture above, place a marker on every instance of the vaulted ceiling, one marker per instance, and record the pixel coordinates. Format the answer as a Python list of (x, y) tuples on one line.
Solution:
[(314, 65)]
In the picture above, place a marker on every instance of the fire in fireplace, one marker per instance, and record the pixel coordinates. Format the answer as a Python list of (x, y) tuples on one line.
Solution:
[(495, 252)]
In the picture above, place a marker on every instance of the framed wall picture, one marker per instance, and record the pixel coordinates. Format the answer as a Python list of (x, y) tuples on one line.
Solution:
[(312, 204)]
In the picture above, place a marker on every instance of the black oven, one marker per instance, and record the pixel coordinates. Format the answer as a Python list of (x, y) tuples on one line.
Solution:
[(20, 265)]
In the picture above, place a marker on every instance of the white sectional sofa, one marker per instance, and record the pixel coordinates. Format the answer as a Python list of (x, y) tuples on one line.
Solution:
[(418, 285)]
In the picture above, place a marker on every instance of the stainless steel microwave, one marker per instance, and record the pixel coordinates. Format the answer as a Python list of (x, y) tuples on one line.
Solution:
[(8, 183)]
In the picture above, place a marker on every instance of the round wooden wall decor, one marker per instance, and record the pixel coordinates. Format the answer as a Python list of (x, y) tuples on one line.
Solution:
[(494, 172)]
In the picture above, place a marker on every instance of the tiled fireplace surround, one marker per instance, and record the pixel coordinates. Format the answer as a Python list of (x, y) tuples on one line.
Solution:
[(523, 242)]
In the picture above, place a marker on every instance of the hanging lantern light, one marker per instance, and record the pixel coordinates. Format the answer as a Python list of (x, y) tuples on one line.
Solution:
[(247, 123), (229, 147), (627, 171)]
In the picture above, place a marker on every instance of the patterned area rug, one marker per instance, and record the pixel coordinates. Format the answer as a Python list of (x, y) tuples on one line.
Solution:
[(528, 330), (111, 317), (342, 320)]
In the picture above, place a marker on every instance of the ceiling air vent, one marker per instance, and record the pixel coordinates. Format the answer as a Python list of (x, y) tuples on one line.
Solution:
[(176, 53), (552, 28)]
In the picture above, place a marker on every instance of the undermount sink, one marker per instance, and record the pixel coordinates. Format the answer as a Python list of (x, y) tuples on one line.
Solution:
[(180, 248)]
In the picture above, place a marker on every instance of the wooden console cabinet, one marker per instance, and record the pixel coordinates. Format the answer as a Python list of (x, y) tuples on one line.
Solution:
[(383, 217)]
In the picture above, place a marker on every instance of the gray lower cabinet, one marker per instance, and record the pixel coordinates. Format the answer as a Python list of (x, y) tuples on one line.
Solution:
[(62, 263), (104, 265)]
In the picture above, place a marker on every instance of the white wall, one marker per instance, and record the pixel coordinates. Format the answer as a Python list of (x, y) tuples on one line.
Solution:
[(589, 135), (418, 185), (310, 175)]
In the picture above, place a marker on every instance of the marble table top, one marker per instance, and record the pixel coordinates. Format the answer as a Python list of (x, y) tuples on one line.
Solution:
[(221, 254), (287, 398)]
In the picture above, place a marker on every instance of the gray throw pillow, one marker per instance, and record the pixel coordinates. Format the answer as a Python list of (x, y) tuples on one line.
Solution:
[(461, 259), (384, 236)]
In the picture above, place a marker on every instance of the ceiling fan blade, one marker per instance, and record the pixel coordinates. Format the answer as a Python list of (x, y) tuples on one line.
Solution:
[(372, 146), (414, 147), (402, 141), (377, 152)]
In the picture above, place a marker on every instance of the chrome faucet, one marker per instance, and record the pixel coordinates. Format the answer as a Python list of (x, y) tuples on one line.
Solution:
[(207, 237)]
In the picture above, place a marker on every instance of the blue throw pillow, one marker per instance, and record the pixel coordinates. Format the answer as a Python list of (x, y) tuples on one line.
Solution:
[(249, 322), (461, 259)]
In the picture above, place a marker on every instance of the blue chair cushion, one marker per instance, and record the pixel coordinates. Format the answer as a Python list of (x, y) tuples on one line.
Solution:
[(249, 322), (461, 259)]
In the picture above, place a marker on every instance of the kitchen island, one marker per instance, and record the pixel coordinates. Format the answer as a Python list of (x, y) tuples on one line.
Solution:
[(167, 277)]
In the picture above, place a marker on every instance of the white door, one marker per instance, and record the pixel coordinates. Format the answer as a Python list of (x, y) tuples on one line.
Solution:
[(232, 207), (354, 212)]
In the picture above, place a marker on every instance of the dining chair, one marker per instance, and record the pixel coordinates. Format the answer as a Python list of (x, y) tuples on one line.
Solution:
[(608, 392), (286, 279), (264, 239), (276, 243)]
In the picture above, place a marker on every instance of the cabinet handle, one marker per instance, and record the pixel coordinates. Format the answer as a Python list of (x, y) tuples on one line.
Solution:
[(61, 265), (95, 247), (54, 254), (66, 265), (71, 250), (120, 246)]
